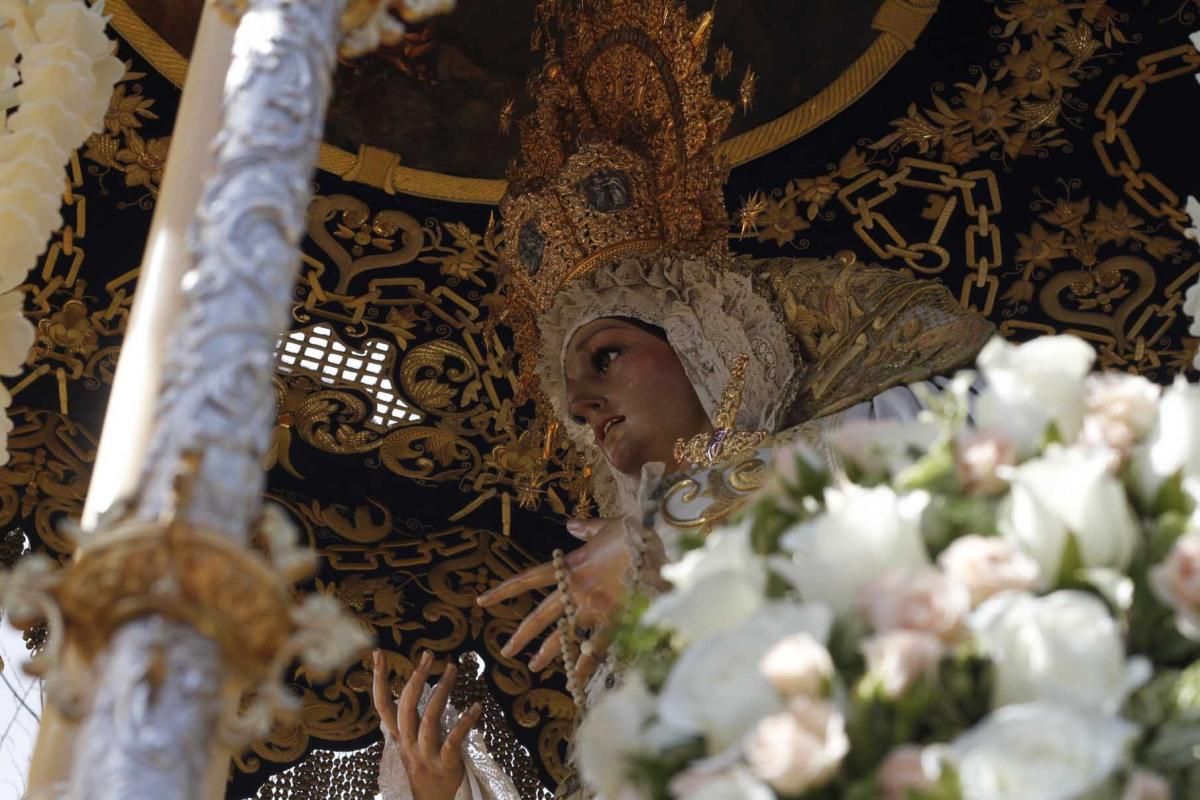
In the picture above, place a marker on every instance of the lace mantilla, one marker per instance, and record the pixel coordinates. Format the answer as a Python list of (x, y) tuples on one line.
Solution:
[(710, 315)]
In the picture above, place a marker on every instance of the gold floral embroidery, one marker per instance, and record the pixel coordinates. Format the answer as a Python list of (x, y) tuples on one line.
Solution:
[(1016, 108), (144, 160), (122, 147)]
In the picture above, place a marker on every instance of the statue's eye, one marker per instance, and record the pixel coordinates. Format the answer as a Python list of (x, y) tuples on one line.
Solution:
[(531, 246), (606, 190)]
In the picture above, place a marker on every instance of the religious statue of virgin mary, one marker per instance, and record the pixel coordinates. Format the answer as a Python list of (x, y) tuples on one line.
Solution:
[(672, 364)]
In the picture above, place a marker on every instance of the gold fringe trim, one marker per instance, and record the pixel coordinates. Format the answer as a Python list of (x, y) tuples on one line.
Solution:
[(899, 22), (147, 42)]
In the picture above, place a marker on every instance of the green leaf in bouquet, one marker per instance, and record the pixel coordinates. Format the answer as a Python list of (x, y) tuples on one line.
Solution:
[(948, 517), (778, 587), (864, 789), (1187, 692), (1114, 587), (1071, 564), (1168, 709), (870, 725), (1153, 632), (948, 787), (965, 685), (654, 772), (933, 472), (650, 649), (1162, 533), (812, 480), (1052, 435), (1153, 703), (1174, 745), (867, 478), (768, 523), (845, 640), (1172, 497)]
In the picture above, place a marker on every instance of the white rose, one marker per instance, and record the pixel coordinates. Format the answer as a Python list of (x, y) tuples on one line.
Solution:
[(1174, 445), (1146, 785), (1064, 648), (799, 749), (798, 665), (1031, 385), (1120, 409), (862, 534), (890, 444), (611, 733), (906, 770), (733, 783), (1069, 491), (1039, 750), (711, 692), (715, 587), (924, 600), (988, 565), (898, 659), (1176, 582), (980, 458)]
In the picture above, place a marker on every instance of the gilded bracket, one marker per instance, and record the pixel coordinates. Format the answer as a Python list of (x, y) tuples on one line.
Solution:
[(238, 598)]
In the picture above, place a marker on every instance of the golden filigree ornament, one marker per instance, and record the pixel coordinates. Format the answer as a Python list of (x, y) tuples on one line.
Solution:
[(747, 89), (724, 443), (238, 598), (619, 155), (723, 62)]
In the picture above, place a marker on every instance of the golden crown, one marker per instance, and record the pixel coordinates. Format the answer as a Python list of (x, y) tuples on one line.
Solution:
[(619, 155)]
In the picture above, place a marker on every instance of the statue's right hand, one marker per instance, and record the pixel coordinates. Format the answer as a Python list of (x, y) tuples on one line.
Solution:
[(434, 764)]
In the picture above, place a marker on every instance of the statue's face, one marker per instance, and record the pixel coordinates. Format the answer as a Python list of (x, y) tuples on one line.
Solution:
[(628, 385)]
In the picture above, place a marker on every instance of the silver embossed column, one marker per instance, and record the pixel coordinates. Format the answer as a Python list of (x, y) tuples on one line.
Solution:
[(150, 732)]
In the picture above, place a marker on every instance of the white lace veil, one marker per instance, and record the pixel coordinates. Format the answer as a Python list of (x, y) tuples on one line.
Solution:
[(710, 315)]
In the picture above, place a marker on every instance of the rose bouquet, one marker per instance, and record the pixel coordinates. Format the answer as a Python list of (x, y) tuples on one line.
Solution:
[(999, 600)]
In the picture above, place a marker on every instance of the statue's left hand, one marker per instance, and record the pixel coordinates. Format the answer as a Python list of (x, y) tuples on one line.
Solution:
[(596, 580)]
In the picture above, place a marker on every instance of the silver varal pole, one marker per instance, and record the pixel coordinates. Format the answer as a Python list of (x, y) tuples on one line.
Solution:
[(160, 683)]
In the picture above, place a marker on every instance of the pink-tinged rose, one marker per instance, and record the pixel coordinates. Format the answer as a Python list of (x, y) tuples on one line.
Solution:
[(903, 772), (987, 565), (980, 460), (1119, 410), (799, 749), (798, 665), (1176, 581), (709, 782), (1146, 785), (926, 601), (898, 659)]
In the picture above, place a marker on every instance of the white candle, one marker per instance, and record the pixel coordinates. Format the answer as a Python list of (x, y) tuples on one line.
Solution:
[(129, 419)]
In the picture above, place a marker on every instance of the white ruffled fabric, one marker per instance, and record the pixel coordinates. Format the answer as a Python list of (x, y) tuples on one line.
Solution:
[(485, 779)]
